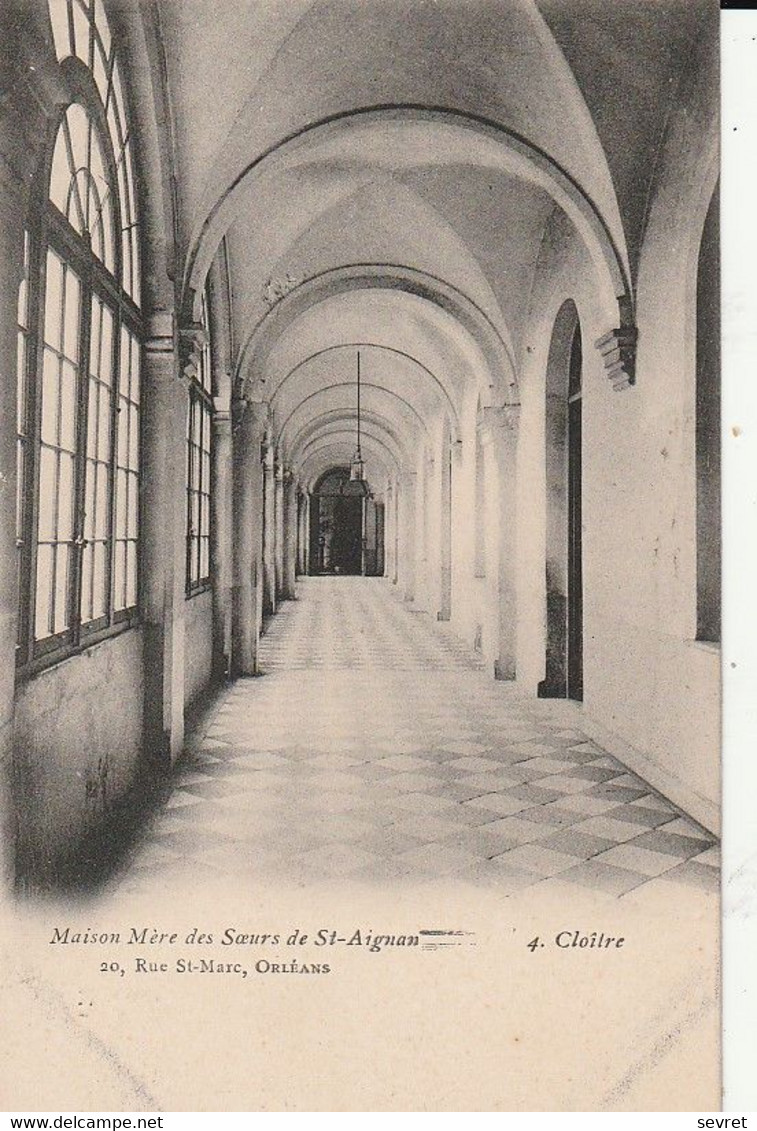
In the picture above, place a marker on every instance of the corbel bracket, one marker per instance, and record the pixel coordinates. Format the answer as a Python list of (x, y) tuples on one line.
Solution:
[(192, 341), (618, 349)]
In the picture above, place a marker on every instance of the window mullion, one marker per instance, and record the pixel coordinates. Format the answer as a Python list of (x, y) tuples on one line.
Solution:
[(37, 291), (191, 456), (80, 463), (116, 362), (199, 486)]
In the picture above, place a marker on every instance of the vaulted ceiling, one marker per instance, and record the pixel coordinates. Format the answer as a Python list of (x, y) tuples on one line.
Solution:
[(383, 173)]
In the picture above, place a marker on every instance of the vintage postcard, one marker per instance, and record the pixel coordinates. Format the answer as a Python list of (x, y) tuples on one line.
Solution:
[(361, 560)]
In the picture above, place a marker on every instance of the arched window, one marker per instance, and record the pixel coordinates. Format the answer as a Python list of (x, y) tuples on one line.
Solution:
[(708, 429), (80, 335), (199, 419)]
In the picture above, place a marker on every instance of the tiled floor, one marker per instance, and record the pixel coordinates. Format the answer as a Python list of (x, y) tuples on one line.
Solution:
[(374, 748)]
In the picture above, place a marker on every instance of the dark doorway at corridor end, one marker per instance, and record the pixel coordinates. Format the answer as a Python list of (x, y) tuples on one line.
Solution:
[(346, 530)]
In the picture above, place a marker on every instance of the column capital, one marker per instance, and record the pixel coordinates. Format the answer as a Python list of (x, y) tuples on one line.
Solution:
[(618, 350)]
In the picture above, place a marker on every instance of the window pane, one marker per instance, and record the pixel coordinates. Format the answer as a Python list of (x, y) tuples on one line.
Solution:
[(99, 592), (75, 206), (60, 620), (119, 596), (60, 173), (43, 608), (50, 365), (20, 478), (21, 384), (115, 130), (136, 269), (89, 507), (108, 237), (118, 91), (68, 407), (23, 289), (48, 491), (106, 360), (131, 574), (65, 498), (123, 384), (81, 32), (71, 318), (133, 438), (99, 70), (135, 362), (103, 446), (133, 522), (59, 21), (126, 261), (101, 23), (78, 128), (121, 504), (101, 524), (92, 418), (86, 587), (95, 336), (97, 165), (53, 300)]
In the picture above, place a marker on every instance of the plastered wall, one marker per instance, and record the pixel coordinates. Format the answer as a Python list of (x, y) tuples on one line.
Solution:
[(78, 736), (198, 644)]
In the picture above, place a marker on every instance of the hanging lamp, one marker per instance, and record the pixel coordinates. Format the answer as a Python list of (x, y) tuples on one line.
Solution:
[(356, 484)]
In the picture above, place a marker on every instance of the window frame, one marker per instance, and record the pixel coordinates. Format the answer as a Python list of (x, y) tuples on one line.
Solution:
[(48, 229), (200, 402)]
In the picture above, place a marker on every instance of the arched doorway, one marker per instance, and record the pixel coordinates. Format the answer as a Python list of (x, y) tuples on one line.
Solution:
[(708, 428), (445, 603), (564, 544), (346, 529)]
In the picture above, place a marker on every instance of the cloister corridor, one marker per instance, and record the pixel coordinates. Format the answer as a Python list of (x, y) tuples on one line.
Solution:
[(374, 749), (360, 551)]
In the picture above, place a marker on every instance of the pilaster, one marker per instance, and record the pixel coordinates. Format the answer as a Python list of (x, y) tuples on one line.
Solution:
[(164, 405), (249, 428), (290, 536), (499, 433), (278, 556), (220, 538), (269, 530)]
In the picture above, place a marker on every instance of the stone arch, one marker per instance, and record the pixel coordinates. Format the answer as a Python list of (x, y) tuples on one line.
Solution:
[(521, 157), (498, 352), (443, 392)]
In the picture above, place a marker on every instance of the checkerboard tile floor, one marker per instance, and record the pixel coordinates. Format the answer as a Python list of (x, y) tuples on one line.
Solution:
[(373, 747)]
